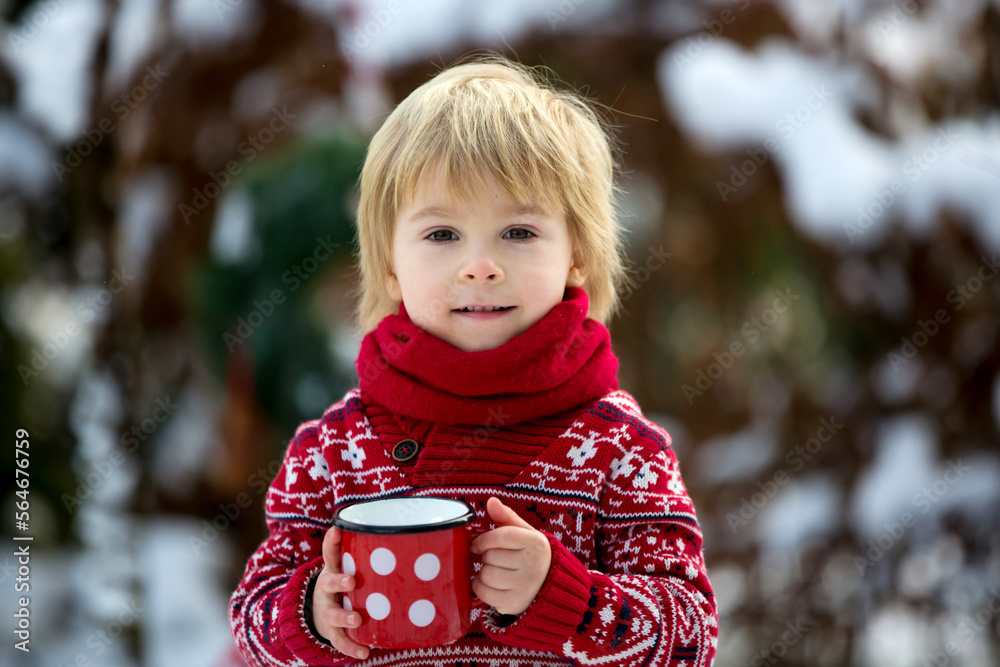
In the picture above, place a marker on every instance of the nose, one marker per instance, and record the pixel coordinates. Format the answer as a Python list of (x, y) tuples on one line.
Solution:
[(480, 265)]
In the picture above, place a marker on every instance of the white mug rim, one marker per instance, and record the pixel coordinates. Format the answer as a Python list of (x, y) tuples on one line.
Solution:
[(353, 517)]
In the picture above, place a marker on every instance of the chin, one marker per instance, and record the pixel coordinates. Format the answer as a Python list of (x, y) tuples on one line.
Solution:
[(477, 347)]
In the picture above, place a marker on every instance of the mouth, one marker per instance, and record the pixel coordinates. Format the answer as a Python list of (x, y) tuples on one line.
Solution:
[(483, 312), (485, 309)]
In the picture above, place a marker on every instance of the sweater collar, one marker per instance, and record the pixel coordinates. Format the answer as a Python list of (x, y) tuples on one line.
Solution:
[(564, 360)]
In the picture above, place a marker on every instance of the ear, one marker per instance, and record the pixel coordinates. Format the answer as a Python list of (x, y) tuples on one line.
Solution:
[(392, 287), (577, 271)]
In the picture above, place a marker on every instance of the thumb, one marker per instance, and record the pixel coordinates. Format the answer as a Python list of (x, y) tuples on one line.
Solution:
[(505, 516)]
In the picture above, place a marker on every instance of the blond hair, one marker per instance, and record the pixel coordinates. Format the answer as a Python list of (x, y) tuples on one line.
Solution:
[(495, 115)]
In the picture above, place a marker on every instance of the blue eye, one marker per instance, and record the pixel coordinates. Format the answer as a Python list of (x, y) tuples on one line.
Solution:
[(520, 238)]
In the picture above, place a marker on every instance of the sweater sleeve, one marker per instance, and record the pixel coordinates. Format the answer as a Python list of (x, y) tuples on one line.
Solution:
[(267, 610), (651, 602)]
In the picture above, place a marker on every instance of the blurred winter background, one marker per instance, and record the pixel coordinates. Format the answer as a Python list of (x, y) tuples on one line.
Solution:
[(813, 199)]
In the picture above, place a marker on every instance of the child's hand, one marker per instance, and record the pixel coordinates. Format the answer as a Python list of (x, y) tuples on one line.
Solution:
[(516, 560), (329, 617)]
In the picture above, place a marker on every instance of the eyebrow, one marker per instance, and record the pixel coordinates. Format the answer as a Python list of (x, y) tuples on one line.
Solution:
[(445, 212)]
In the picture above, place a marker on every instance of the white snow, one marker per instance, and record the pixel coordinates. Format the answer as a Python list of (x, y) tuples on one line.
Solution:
[(24, 159), (388, 34), (51, 51), (48, 316), (904, 462), (895, 386), (806, 508), (906, 477), (145, 212), (976, 493), (134, 36), (204, 25), (70, 634), (102, 576), (233, 239), (843, 184), (729, 583), (911, 46), (184, 445), (741, 455), (723, 95), (186, 620), (923, 570), (258, 93), (894, 635)]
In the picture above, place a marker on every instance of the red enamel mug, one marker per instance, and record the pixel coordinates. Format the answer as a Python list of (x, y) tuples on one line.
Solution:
[(411, 564)]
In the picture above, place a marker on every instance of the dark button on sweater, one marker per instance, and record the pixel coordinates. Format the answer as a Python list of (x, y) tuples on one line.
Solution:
[(405, 450)]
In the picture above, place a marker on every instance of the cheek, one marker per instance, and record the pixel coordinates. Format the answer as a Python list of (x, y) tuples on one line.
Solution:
[(543, 270), (410, 263)]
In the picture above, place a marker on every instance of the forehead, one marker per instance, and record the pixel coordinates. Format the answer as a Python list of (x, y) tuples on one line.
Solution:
[(437, 195), (436, 211)]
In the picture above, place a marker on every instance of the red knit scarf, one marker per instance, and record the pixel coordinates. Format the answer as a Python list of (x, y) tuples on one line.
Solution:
[(563, 361)]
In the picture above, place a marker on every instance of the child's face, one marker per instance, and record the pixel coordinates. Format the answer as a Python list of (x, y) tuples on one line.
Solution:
[(448, 255)]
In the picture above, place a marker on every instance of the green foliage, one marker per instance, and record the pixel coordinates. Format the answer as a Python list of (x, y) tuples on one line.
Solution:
[(302, 228)]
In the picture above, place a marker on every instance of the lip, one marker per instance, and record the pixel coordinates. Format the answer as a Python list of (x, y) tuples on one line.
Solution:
[(484, 315)]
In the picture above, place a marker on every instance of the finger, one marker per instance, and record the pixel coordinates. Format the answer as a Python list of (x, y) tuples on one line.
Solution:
[(499, 599), (332, 583), (331, 549), (505, 558), (346, 645), (332, 619), (338, 617), (498, 578), (507, 537)]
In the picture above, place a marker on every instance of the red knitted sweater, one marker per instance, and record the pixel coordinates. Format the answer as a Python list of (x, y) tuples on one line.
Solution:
[(627, 583)]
